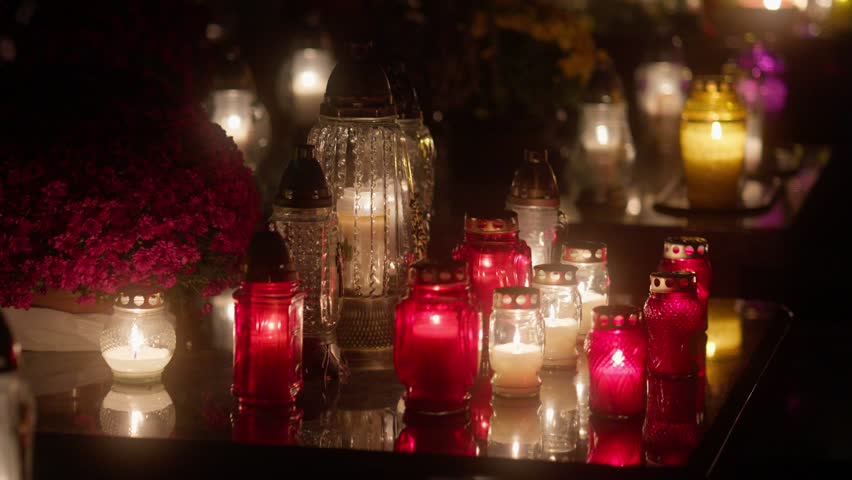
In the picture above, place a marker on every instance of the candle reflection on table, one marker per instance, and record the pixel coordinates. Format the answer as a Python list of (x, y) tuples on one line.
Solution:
[(137, 411), (515, 428)]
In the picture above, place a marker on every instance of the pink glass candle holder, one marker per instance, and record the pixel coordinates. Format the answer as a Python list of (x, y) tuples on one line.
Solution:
[(436, 342), (268, 310), (615, 442), (692, 254), (481, 409), (497, 257), (675, 319), (617, 350), (673, 420), (444, 435)]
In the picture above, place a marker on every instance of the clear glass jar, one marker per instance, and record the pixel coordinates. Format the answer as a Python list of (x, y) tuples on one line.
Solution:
[(516, 342), (304, 217), (437, 339), (712, 139), (138, 411), (558, 413), (592, 277), (139, 339), (676, 322), (534, 196), (617, 348), (361, 149), (562, 309)]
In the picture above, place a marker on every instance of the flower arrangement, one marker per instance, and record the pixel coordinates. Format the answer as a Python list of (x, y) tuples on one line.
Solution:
[(157, 197)]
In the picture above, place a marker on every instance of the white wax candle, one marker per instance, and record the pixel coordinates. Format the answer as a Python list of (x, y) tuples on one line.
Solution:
[(145, 361), (362, 235), (559, 341), (590, 299), (516, 365)]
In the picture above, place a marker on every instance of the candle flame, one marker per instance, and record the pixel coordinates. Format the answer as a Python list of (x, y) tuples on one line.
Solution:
[(136, 419), (716, 130), (436, 320), (233, 122), (548, 415), (602, 134), (516, 448), (517, 341), (308, 80), (136, 340), (618, 358), (711, 349), (772, 4)]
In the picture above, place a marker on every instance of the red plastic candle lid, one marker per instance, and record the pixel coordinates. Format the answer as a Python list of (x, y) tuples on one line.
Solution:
[(686, 247), (584, 252), (677, 281), (614, 317)]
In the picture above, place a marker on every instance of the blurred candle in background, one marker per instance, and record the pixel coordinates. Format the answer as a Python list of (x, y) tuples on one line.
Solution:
[(534, 196), (309, 72)]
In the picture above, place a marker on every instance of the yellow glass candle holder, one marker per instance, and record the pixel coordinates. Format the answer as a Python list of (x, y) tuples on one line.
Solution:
[(712, 140)]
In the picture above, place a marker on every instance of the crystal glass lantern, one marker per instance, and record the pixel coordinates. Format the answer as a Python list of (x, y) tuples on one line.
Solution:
[(421, 151), (303, 215), (437, 338), (673, 420), (691, 254), (138, 411), (617, 350), (268, 326), (516, 341), (712, 140), (534, 196), (592, 277), (562, 309), (515, 428), (362, 152), (139, 339), (603, 158), (676, 322)]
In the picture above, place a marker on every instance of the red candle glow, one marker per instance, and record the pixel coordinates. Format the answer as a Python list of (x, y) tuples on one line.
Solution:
[(673, 420), (444, 434), (615, 442), (617, 352), (268, 327), (675, 319), (436, 343)]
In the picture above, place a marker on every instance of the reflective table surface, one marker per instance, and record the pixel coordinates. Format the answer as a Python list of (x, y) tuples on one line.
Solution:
[(342, 426)]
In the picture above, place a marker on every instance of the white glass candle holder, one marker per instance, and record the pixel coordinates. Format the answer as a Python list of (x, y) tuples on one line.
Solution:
[(592, 277), (516, 342), (534, 196), (562, 310), (139, 339)]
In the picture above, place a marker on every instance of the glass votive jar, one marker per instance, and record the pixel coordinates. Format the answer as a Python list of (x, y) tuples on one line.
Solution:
[(692, 254), (534, 196), (558, 413), (673, 420), (516, 345), (139, 338), (268, 326), (675, 322), (614, 441), (144, 411), (617, 349), (436, 340), (712, 140), (592, 277), (443, 435), (562, 309), (515, 428)]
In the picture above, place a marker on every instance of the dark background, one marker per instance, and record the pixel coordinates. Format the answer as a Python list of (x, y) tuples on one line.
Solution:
[(71, 55)]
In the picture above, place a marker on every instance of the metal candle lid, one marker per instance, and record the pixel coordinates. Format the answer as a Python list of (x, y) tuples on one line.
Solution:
[(615, 317), (269, 260), (138, 297), (686, 247), (668, 282), (404, 94), (426, 272), (534, 183), (583, 252), (303, 185), (497, 222), (358, 86), (516, 298), (555, 274)]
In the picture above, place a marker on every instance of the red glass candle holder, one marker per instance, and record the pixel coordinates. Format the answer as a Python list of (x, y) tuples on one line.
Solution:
[(675, 319), (481, 409), (673, 420), (445, 435), (615, 442), (268, 310), (617, 350), (496, 256), (265, 425), (691, 254), (436, 342)]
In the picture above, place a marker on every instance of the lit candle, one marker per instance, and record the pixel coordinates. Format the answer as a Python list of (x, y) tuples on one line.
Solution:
[(136, 358), (309, 74), (592, 277), (713, 139), (561, 308), (232, 110), (516, 365), (362, 217), (661, 93)]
